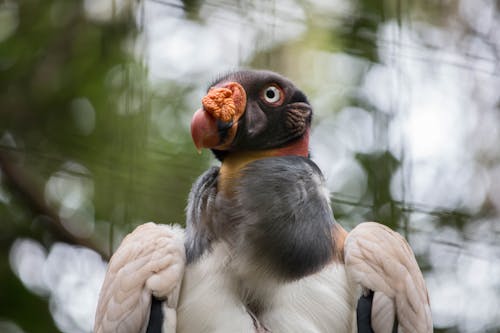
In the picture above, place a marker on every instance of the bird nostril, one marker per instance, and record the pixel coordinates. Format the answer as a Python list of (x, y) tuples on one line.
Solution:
[(224, 126)]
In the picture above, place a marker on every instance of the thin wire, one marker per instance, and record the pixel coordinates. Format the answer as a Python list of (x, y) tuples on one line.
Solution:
[(405, 206), (167, 3)]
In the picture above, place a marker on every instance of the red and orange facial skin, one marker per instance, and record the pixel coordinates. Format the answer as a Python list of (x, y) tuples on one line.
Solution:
[(225, 103)]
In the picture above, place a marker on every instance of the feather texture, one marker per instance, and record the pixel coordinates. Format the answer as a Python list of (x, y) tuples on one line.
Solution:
[(149, 261), (383, 313), (381, 260)]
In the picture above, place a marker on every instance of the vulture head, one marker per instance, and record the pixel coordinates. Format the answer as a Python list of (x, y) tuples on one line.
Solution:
[(268, 200), (253, 111)]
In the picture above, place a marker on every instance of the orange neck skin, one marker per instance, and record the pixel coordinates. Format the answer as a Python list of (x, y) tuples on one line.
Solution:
[(298, 148), (234, 163)]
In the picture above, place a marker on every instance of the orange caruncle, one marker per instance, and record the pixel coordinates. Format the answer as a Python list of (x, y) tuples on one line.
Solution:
[(220, 104)]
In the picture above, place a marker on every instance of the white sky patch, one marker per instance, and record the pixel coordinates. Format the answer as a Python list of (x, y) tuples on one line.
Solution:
[(71, 190), (74, 276), (191, 51), (334, 142), (462, 285), (436, 107), (27, 258), (479, 13), (328, 79), (179, 49), (440, 113), (276, 21), (71, 276), (104, 10)]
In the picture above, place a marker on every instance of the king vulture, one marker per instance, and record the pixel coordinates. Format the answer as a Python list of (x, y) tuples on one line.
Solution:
[(261, 250)]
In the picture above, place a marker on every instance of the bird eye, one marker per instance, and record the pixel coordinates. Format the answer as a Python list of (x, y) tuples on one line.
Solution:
[(273, 95)]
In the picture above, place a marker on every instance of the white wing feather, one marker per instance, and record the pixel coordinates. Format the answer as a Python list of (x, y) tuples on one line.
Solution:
[(149, 261), (383, 313), (381, 260)]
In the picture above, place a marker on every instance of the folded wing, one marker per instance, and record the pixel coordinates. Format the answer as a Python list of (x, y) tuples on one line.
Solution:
[(149, 262), (381, 260)]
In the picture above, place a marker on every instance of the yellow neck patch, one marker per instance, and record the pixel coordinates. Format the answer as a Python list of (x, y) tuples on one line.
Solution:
[(232, 166)]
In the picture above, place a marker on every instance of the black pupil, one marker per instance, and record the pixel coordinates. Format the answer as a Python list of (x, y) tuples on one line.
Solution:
[(270, 93)]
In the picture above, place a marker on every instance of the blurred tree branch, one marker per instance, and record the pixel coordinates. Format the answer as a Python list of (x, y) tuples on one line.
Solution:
[(25, 186)]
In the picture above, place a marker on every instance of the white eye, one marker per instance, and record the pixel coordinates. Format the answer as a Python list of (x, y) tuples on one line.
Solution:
[(272, 95)]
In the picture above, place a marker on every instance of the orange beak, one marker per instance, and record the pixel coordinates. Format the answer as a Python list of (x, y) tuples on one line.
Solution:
[(223, 106)]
